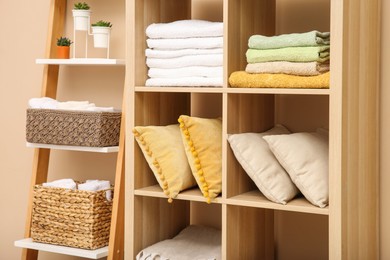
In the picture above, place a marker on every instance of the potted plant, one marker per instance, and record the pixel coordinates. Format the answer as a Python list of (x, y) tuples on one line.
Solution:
[(81, 16), (63, 47), (101, 34)]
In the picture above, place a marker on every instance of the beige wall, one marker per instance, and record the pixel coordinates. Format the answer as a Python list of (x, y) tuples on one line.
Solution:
[(25, 24)]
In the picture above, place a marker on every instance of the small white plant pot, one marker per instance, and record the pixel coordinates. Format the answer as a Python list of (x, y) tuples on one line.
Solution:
[(81, 19), (101, 36)]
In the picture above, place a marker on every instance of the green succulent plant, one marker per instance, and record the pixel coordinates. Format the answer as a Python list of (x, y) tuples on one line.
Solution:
[(81, 6), (102, 23), (64, 41)]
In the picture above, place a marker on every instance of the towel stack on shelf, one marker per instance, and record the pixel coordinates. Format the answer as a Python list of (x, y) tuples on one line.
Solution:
[(297, 60), (185, 53)]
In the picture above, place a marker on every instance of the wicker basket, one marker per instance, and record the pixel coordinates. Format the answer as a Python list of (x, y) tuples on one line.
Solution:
[(79, 128), (73, 218)]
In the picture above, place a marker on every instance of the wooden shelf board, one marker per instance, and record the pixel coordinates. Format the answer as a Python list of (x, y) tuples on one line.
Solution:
[(191, 194), (290, 91), (81, 61), (92, 254), (296, 91), (109, 149), (179, 89), (256, 199)]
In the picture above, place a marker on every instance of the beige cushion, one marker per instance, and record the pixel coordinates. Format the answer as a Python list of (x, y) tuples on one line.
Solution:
[(164, 152), (255, 157), (305, 158), (202, 139)]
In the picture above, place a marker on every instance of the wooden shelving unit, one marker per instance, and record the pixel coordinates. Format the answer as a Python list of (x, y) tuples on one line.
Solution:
[(348, 109)]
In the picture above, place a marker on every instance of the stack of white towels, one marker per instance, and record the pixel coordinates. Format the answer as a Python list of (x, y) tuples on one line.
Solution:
[(185, 53), (89, 185), (49, 103)]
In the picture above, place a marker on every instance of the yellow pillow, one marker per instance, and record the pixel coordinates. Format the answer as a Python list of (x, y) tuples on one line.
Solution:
[(202, 139), (164, 152)]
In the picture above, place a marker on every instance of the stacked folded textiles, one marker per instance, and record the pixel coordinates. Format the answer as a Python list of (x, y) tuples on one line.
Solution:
[(185, 53), (297, 60)]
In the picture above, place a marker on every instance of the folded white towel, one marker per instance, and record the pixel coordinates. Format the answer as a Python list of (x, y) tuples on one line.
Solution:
[(193, 71), (185, 82), (185, 29), (186, 61), (96, 185), (43, 103), (62, 183), (49, 103), (166, 54), (187, 43), (75, 105)]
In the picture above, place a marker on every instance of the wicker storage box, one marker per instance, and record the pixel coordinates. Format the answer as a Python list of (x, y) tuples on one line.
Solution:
[(79, 128), (73, 218)]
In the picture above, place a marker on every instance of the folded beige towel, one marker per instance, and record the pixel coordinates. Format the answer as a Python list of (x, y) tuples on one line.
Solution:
[(286, 67), (242, 79)]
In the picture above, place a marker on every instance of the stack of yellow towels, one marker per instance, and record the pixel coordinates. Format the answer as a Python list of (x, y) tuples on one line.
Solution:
[(297, 60)]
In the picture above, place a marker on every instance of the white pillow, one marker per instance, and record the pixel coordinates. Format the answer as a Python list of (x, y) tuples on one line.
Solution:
[(305, 158), (254, 155)]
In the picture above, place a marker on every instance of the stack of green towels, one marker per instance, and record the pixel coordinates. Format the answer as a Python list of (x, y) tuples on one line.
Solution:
[(297, 60)]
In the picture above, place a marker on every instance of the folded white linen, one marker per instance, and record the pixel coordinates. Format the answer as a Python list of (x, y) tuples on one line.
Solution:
[(43, 102), (186, 61), (166, 54), (185, 82), (186, 43), (74, 105), (62, 183), (192, 71), (96, 185), (185, 29), (193, 242), (49, 103)]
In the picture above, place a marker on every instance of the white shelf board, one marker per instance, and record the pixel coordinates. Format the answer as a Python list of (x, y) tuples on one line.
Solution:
[(81, 61), (92, 254), (190, 195), (108, 149)]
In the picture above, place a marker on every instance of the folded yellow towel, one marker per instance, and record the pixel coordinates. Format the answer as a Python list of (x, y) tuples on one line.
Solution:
[(242, 79)]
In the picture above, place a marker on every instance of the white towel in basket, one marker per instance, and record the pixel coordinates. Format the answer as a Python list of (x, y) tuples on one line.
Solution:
[(62, 183), (96, 185)]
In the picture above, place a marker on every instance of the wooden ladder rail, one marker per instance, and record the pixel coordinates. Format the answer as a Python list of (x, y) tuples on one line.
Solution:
[(57, 15)]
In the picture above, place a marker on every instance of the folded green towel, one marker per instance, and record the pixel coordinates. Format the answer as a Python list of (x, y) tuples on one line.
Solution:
[(313, 38), (294, 54)]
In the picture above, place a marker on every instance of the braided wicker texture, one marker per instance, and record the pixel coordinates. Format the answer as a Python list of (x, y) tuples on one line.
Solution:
[(79, 128), (73, 218)]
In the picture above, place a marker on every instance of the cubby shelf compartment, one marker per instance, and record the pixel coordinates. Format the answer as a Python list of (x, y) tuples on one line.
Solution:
[(109, 149), (155, 191), (256, 199), (92, 254), (81, 61)]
